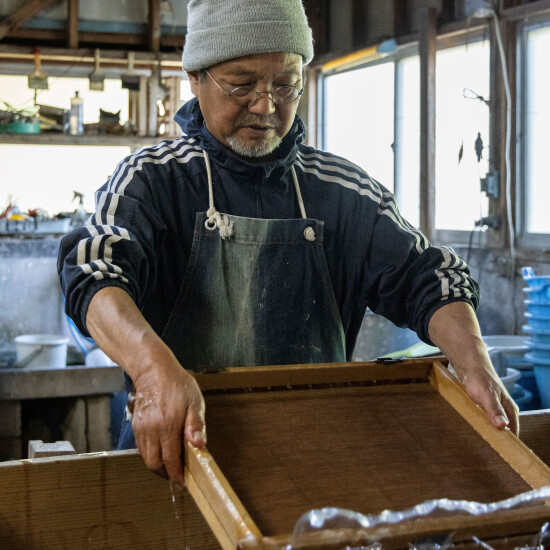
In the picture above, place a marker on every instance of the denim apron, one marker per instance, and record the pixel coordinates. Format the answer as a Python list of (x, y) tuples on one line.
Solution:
[(256, 292)]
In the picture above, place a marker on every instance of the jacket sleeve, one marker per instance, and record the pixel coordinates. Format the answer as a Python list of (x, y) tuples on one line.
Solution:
[(116, 247), (409, 278)]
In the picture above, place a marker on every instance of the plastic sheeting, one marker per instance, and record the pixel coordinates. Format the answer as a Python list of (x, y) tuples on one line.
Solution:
[(335, 520)]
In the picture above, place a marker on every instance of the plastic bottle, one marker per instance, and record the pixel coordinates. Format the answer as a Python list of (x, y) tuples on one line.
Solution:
[(80, 215), (76, 121)]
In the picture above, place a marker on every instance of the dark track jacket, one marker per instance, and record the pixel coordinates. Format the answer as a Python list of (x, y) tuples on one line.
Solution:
[(140, 236)]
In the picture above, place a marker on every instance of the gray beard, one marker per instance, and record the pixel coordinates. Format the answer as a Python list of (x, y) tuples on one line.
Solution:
[(258, 150)]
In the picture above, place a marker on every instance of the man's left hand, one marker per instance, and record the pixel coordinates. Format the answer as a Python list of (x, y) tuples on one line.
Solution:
[(455, 330)]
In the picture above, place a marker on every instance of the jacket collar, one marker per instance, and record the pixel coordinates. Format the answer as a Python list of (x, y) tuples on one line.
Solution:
[(191, 121)]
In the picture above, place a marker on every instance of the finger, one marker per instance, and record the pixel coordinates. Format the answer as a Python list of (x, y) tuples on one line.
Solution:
[(195, 428), (490, 402), (150, 451), (513, 414), (171, 456)]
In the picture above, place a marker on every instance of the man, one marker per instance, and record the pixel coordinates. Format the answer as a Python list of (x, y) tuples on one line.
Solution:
[(238, 245)]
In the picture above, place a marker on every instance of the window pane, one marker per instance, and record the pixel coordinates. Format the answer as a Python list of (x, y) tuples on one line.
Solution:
[(407, 152), (358, 119), (459, 201), (45, 176), (537, 138)]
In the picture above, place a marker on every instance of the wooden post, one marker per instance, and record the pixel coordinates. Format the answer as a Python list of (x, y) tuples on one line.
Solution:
[(98, 423), (312, 106), (400, 21), (74, 426), (428, 36), (10, 430), (153, 90), (72, 25), (172, 103), (154, 25)]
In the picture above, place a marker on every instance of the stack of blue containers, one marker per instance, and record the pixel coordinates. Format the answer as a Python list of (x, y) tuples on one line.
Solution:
[(538, 329)]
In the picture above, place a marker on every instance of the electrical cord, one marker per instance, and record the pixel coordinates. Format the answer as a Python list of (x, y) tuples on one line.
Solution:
[(506, 79)]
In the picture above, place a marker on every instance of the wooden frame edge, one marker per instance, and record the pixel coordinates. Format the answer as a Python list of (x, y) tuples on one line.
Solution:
[(219, 497), (318, 373), (524, 461), (206, 510)]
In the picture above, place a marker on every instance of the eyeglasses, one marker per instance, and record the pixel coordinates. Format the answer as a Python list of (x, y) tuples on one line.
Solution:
[(246, 95)]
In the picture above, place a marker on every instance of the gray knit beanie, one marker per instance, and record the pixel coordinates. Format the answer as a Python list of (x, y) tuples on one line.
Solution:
[(218, 30)]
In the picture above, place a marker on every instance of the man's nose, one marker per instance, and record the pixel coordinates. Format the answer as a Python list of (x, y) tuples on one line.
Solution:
[(263, 104)]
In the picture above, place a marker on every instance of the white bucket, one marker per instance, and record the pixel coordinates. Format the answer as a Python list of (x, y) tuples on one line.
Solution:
[(41, 350)]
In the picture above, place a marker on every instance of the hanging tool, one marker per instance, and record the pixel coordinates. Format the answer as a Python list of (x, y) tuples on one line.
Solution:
[(96, 77), (37, 80), (479, 147), (129, 79)]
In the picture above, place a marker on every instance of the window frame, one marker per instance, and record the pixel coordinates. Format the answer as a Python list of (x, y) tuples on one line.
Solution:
[(401, 53), (525, 239), (391, 58), (461, 38), (455, 236)]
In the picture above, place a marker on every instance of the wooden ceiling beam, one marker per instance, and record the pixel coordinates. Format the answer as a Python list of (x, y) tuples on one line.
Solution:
[(72, 24), (85, 56), (126, 39), (175, 41), (24, 13)]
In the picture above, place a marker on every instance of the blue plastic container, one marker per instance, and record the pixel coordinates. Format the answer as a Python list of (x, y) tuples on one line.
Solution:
[(537, 345), (537, 336), (538, 310), (529, 383), (539, 287), (523, 398), (537, 322), (542, 375), (545, 362), (538, 355)]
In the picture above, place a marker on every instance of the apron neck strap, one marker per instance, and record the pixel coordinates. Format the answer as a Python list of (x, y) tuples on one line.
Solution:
[(298, 193), (215, 219)]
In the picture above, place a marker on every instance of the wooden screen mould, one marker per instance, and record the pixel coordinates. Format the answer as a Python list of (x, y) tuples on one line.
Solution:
[(282, 441)]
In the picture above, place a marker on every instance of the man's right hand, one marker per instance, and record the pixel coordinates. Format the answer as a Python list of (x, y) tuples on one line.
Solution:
[(168, 407), (168, 404)]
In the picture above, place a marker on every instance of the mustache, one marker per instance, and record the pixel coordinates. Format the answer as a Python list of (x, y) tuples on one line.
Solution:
[(261, 120)]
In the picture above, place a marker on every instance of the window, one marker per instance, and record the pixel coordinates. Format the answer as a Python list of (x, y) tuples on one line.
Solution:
[(462, 78), (358, 118), (534, 124), (407, 138), (371, 116)]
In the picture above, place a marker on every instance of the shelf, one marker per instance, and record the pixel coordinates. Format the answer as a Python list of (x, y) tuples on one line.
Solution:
[(135, 142)]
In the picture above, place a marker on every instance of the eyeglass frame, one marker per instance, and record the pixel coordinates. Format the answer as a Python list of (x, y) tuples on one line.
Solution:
[(258, 93)]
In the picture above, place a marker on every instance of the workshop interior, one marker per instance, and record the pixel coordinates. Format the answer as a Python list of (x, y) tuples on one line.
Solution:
[(446, 103)]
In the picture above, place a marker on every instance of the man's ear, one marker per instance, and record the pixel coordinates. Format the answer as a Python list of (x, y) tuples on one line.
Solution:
[(194, 81)]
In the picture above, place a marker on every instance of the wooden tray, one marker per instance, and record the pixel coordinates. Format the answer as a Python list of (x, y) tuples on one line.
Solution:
[(282, 441)]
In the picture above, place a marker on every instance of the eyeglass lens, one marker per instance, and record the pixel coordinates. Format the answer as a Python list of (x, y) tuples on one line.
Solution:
[(248, 94)]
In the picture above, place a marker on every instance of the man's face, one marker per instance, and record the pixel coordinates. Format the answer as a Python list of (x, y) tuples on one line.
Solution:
[(254, 130)]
